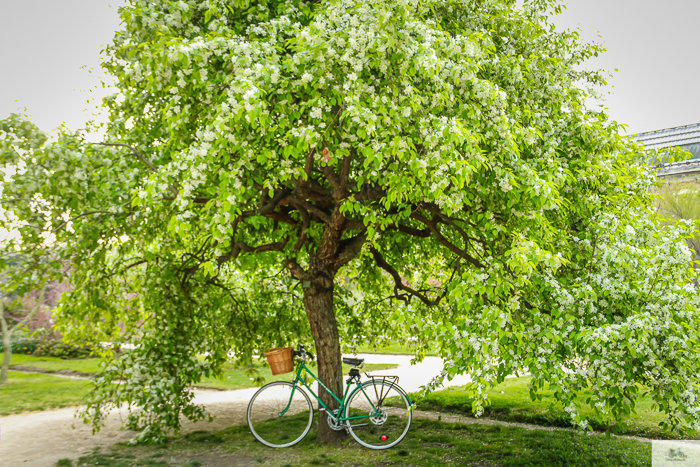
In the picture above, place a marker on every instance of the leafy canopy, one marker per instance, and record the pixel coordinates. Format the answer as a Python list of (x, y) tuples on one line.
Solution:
[(436, 154)]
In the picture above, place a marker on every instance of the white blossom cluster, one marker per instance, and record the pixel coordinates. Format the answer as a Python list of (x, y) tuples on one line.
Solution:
[(626, 319)]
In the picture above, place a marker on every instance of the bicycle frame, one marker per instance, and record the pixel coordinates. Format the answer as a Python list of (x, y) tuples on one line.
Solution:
[(339, 417)]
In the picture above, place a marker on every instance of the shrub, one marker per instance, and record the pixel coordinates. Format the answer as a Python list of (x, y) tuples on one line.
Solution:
[(22, 346), (55, 348)]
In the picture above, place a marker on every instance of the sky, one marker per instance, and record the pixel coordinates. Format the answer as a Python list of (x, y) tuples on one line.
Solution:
[(49, 47)]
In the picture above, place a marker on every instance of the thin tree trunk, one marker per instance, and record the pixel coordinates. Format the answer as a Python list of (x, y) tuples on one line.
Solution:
[(7, 348), (318, 301), (8, 331)]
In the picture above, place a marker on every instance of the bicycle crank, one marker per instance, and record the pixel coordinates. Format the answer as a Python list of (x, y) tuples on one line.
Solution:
[(333, 422)]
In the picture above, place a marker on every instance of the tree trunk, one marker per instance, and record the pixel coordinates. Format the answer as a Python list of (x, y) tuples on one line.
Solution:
[(7, 349), (318, 301)]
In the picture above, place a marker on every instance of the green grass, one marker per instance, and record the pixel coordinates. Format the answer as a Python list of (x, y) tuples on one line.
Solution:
[(233, 377), (32, 391), (392, 349), (510, 401), (37, 391), (80, 365), (429, 443), (116, 459)]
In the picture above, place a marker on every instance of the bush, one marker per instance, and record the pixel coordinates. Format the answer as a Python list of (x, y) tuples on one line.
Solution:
[(55, 348), (22, 345)]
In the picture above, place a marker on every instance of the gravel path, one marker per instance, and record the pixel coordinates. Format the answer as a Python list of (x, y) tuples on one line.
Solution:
[(39, 439)]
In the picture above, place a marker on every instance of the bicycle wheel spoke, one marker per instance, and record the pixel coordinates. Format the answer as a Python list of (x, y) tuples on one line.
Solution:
[(279, 417), (384, 411)]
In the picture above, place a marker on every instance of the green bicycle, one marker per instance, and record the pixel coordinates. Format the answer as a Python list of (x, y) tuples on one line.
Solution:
[(377, 413)]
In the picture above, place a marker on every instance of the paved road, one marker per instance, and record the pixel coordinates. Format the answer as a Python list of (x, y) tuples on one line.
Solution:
[(412, 377), (39, 439)]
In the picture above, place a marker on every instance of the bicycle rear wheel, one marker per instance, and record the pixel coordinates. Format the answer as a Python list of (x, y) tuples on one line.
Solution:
[(385, 412), (274, 428)]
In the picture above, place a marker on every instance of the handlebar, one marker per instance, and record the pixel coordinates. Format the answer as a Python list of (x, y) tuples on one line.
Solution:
[(303, 352)]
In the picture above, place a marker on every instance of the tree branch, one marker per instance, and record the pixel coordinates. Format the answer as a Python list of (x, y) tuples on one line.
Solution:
[(354, 225), (270, 206), (140, 156), (348, 250), (30, 315), (132, 265), (398, 282), (313, 191), (294, 201), (4, 329), (345, 173), (432, 226), (424, 233), (308, 168), (332, 178), (368, 193), (281, 217), (295, 269), (196, 199), (239, 247), (85, 214), (306, 222), (451, 221)]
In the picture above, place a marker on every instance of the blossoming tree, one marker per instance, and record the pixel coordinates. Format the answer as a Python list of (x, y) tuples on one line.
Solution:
[(355, 171)]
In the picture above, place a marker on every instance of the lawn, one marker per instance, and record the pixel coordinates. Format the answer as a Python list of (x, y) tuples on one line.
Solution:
[(79, 365), (392, 349), (232, 378), (429, 443), (37, 391), (510, 401), (33, 391)]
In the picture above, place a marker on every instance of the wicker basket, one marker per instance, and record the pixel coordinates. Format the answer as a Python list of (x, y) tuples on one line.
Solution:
[(281, 360)]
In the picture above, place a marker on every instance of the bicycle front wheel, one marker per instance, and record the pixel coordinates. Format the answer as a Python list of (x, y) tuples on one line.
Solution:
[(280, 414), (379, 414)]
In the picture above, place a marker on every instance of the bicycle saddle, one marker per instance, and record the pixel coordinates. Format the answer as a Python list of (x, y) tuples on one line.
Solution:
[(353, 361)]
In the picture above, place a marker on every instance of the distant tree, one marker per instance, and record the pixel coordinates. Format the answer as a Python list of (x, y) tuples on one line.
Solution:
[(681, 201), (344, 171)]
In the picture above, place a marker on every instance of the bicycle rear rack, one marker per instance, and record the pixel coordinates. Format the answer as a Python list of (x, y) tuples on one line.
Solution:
[(392, 380)]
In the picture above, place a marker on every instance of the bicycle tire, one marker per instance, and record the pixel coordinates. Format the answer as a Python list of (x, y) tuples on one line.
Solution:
[(272, 430), (395, 409)]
